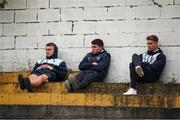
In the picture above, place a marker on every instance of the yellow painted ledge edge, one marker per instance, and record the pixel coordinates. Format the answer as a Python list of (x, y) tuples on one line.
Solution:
[(89, 99), (70, 99)]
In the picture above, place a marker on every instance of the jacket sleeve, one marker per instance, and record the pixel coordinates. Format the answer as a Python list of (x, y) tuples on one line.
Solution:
[(61, 70), (84, 64), (103, 64), (159, 64)]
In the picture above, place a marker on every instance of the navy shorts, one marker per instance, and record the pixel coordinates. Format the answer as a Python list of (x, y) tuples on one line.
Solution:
[(51, 75)]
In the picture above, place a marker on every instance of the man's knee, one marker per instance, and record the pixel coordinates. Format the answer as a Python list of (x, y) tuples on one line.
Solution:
[(43, 77), (32, 76), (134, 56)]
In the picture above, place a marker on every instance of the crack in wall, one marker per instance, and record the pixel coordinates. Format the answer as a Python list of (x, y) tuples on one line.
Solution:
[(156, 3)]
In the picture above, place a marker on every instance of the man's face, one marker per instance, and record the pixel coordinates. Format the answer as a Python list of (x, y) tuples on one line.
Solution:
[(152, 45), (49, 51), (96, 49)]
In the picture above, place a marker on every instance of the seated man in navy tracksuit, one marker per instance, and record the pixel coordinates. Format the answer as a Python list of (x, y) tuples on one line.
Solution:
[(51, 69), (94, 67), (148, 66)]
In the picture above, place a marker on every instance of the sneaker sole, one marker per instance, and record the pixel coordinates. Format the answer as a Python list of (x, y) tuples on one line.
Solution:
[(67, 85), (140, 72), (129, 94), (73, 82)]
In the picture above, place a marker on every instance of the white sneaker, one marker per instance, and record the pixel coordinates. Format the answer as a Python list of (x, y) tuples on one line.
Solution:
[(131, 91), (139, 71)]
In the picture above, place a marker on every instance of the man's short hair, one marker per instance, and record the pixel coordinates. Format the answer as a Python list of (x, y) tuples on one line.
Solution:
[(98, 42), (152, 37), (51, 44)]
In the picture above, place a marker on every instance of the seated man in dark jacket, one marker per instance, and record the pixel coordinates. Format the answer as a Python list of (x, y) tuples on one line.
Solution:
[(148, 66), (46, 70), (94, 67)]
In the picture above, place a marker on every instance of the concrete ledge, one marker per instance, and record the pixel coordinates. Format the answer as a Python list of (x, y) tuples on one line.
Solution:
[(11, 77), (79, 112), (90, 99), (107, 88)]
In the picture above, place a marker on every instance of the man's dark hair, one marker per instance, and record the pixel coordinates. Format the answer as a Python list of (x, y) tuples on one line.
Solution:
[(50, 44), (153, 38), (98, 42)]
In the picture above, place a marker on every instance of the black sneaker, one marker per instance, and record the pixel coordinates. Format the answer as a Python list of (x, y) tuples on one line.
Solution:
[(21, 82), (28, 86)]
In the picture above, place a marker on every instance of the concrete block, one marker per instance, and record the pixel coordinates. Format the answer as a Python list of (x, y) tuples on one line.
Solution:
[(38, 28), (72, 14), (106, 27), (48, 15), (95, 13), (1, 29), (176, 25), (110, 2), (177, 2), (43, 40), (69, 41), (120, 13), (85, 3), (131, 26), (138, 2), (120, 59), (140, 38), (170, 52), (170, 11), (118, 73), (17, 60), (85, 27), (16, 4), (26, 16), (169, 38), (26, 42), (37, 4), (6, 42), (114, 40), (70, 3), (142, 12), (61, 28), (153, 25), (6, 16), (14, 29), (164, 2), (73, 56)]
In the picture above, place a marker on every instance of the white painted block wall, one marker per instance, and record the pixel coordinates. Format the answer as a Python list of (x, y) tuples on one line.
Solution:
[(27, 25)]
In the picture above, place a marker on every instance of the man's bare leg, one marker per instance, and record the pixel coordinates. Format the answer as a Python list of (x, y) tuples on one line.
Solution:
[(38, 80)]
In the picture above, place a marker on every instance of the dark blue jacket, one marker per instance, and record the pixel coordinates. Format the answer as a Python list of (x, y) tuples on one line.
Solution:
[(154, 61), (59, 66), (103, 59)]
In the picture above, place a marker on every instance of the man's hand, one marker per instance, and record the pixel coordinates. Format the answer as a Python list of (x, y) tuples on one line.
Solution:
[(94, 63), (45, 67)]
